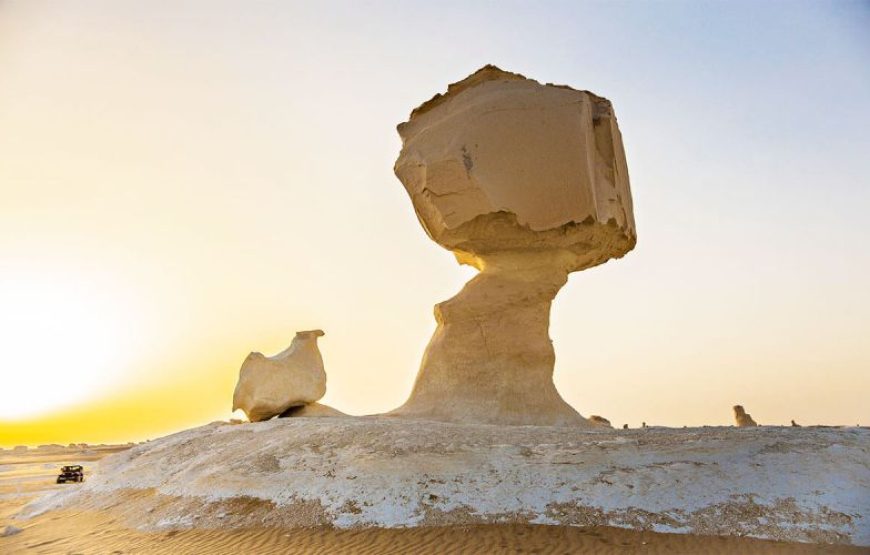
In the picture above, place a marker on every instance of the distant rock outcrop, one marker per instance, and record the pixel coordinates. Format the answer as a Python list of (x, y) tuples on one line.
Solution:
[(795, 424), (742, 418), (269, 386), (600, 420)]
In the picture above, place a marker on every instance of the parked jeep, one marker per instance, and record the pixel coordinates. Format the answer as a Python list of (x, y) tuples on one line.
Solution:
[(72, 473)]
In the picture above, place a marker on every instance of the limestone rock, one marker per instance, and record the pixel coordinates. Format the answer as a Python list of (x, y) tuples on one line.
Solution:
[(742, 418), (294, 377), (526, 182), (503, 163)]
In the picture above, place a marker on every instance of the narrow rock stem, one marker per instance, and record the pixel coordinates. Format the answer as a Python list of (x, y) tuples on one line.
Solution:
[(491, 358)]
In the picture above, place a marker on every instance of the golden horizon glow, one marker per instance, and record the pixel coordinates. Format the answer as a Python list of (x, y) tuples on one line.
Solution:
[(87, 338), (183, 184)]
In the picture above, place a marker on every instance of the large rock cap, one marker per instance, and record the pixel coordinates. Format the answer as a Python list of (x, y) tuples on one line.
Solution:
[(501, 162)]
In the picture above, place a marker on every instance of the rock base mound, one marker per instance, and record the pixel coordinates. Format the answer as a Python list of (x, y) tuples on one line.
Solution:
[(793, 484)]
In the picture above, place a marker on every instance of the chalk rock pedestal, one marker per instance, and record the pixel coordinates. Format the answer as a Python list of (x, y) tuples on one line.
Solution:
[(491, 359), (526, 182)]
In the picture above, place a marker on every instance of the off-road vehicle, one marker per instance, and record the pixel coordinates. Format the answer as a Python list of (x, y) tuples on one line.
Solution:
[(72, 473)]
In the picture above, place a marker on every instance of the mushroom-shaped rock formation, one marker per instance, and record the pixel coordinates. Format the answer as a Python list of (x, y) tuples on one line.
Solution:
[(268, 386), (525, 182), (742, 418)]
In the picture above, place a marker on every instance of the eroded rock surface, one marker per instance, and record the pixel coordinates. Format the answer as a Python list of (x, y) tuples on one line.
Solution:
[(526, 182), (268, 386)]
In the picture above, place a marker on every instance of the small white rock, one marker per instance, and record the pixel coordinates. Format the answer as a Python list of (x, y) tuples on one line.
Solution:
[(10, 531)]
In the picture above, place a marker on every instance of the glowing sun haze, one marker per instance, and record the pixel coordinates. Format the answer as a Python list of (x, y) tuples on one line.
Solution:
[(182, 183), (65, 342)]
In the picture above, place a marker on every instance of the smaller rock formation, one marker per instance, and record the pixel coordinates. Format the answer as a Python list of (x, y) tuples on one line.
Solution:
[(10, 531), (795, 424), (600, 420), (742, 418), (625, 426), (268, 386)]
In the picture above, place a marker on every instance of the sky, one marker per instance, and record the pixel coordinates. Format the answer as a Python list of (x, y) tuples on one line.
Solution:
[(182, 183)]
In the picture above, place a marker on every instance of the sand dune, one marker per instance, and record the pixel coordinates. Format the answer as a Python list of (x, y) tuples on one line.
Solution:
[(98, 533)]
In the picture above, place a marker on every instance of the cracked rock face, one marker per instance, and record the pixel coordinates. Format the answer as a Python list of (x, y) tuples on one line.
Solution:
[(526, 182), (269, 386)]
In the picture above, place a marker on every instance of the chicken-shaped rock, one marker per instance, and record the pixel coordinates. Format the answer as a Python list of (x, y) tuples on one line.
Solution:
[(268, 386)]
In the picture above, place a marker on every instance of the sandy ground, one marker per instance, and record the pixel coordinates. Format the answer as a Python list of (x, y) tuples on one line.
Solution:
[(97, 533), (86, 532), (27, 475)]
